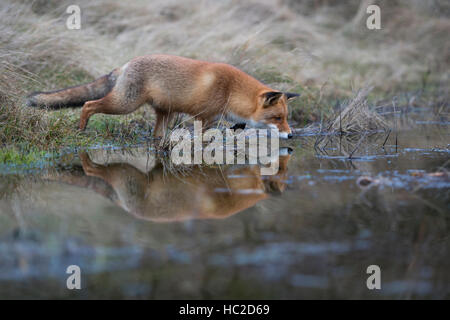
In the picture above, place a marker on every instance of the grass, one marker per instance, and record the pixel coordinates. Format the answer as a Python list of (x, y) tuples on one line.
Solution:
[(356, 116), (14, 156), (320, 49)]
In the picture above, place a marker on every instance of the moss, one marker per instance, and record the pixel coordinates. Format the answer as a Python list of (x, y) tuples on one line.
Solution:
[(13, 155)]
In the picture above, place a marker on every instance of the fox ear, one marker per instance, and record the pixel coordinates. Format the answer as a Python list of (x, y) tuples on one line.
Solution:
[(271, 98), (291, 95)]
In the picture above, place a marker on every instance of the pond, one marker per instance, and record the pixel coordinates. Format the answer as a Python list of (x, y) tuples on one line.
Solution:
[(138, 229)]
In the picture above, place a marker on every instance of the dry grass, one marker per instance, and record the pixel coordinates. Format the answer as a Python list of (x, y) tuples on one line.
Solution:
[(320, 48), (357, 116), (357, 120)]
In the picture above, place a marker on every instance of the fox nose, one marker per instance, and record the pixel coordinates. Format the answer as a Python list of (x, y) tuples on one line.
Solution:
[(290, 136)]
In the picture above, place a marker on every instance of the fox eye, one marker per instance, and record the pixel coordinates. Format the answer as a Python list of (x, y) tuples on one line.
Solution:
[(278, 118)]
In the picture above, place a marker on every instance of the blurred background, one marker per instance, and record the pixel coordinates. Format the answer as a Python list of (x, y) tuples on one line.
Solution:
[(311, 45)]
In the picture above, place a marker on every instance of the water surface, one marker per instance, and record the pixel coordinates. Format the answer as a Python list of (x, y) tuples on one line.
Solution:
[(139, 229)]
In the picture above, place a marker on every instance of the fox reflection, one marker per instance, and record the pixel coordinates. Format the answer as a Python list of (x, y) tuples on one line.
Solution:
[(164, 196)]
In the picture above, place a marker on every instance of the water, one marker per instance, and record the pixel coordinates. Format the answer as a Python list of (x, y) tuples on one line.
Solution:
[(139, 229)]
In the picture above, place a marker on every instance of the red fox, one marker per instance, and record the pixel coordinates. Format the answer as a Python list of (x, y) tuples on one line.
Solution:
[(170, 84), (159, 195)]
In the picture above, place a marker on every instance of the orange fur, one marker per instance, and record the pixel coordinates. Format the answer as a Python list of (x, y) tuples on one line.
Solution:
[(171, 84), (161, 196)]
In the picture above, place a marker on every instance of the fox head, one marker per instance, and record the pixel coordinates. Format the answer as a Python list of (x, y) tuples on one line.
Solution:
[(273, 111)]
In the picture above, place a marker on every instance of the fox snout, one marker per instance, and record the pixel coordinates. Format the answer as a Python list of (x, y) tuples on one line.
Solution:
[(284, 131), (285, 135)]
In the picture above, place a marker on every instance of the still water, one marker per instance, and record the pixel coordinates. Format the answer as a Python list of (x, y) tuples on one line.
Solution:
[(139, 228)]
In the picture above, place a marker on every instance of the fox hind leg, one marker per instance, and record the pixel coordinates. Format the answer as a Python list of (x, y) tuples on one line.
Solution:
[(112, 103), (89, 108)]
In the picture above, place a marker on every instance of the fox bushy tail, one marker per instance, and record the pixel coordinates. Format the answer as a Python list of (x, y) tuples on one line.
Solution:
[(74, 96)]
